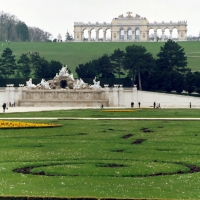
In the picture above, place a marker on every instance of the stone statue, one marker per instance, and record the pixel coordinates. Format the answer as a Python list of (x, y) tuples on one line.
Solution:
[(63, 71), (80, 84), (96, 84), (63, 75), (44, 84), (29, 84), (129, 14)]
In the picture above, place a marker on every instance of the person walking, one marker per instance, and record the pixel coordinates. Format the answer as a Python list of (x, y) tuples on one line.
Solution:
[(132, 104), (139, 104), (190, 105), (154, 104), (4, 107)]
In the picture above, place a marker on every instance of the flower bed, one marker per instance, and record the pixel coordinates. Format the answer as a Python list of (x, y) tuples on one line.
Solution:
[(10, 124)]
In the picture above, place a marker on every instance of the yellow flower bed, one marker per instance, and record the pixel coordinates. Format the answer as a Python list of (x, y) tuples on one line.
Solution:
[(119, 110), (11, 124)]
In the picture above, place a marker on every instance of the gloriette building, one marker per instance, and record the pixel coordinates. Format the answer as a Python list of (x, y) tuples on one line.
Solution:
[(129, 28)]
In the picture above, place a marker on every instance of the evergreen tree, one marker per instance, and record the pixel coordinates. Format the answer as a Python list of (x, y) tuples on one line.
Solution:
[(68, 37), (136, 61), (117, 59), (105, 68), (24, 63), (7, 63), (22, 31), (172, 57)]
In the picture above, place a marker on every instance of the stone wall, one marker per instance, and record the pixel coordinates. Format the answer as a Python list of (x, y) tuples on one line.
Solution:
[(112, 97)]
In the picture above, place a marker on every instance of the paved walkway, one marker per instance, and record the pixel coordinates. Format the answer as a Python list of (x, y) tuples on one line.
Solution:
[(36, 109)]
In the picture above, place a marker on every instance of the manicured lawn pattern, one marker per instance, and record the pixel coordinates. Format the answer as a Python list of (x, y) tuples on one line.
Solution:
[(102, 158)]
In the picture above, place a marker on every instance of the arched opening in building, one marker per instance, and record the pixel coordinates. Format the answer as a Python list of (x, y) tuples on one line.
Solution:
[(108, 34), (174, 34), (100, 33), (63, 83), (159, 34), (129, 34), (151, 34), (85, 34), (121, 34), (137, 34), (166, 34), (93, 34)]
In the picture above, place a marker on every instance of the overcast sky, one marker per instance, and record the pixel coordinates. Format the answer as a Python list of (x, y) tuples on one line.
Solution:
[(58, 16)]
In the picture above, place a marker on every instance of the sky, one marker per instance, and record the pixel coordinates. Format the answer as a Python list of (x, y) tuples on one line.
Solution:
[(58, 16)]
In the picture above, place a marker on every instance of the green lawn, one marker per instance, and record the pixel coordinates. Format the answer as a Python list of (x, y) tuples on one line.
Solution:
[(99, 158), (75, 53), (102, 113)]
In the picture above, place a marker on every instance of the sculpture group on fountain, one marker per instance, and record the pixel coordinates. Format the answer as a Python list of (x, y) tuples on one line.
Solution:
[(63, 75)]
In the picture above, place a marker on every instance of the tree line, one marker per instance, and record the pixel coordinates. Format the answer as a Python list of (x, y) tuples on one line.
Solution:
[(28, 65), (167, 72), (12, 29)]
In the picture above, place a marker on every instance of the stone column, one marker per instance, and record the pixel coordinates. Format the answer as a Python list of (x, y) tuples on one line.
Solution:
[(89, 36), (133, 38), (106, 95), (82, 36), (7, 95), (125, 35), (104, 36), (147, 35), (135, 96), (121, 99), (155, 36), (12, 95), (117, 36), (163, 36), (114, 102), (170, 37), (97, 36)]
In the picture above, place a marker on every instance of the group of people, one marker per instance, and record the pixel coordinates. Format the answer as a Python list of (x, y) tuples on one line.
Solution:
[(154, 105), (132, 104), (4, 106)]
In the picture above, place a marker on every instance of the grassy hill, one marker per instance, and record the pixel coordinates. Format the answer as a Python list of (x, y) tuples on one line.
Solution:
[(74, 53)]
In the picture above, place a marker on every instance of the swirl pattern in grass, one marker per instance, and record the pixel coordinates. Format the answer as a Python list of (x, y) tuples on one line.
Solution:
[(4, 124)]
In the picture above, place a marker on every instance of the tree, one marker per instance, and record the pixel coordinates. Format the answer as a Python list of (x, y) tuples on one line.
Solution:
[(137, 60), (117, 59), (88, 70), (178, 81), (68, 37), (22, 31), (24, 63), (105, 68), (7, 63), (55, 66), (189, 82), (172, 57)]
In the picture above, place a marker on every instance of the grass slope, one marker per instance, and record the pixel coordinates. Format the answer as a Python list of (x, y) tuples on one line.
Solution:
[(100, 159), (75, 53)]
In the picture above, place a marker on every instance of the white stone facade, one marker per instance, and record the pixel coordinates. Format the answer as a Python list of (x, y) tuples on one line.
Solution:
[(129, 28), (111, 97)]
